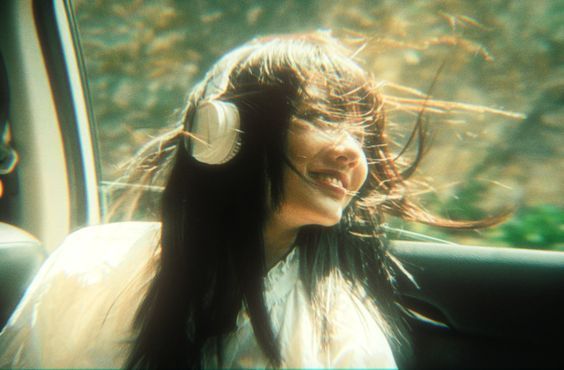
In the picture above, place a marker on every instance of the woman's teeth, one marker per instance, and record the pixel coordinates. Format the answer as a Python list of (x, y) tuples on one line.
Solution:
[(328, 179)]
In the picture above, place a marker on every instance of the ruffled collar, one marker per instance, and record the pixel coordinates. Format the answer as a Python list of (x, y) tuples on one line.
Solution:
[(278, 283), (281, 278)]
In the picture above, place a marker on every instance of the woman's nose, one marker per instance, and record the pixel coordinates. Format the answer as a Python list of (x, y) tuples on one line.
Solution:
[(347, 151)]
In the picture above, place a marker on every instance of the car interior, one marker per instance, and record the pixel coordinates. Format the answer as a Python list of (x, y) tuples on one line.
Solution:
[(471, 307), (45, 195)]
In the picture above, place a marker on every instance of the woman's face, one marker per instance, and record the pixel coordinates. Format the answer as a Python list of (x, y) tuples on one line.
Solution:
[(331, 167)]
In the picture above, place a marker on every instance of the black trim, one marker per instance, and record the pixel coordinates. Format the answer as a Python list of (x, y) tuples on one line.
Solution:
[(52, 48), (8, 157), (9, 211), (4, 95)]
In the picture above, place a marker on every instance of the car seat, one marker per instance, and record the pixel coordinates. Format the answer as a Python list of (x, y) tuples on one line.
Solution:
[(21, 255)]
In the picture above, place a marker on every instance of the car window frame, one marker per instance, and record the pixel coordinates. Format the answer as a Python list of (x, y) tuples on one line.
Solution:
[(57, 31)]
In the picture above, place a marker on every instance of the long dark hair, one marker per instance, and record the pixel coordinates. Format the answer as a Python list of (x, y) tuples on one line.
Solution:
[(212, 252)]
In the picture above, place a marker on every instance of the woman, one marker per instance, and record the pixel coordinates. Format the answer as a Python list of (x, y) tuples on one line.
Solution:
[(306, 110), (270, 251)]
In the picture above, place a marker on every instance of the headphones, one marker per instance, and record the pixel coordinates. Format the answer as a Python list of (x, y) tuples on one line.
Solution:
[(214, 129), (214, 136)]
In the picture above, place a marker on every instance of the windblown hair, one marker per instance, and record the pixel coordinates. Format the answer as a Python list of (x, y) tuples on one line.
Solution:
[(212, 251)]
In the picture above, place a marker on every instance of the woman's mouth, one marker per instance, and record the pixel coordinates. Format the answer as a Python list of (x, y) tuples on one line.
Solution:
[(331, 183)]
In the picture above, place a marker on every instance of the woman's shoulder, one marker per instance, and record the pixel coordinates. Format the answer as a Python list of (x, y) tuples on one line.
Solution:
[(106, 244), (101, 253), (109, 241), (97, 254)]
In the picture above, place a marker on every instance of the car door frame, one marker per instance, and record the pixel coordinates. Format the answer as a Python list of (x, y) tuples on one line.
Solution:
[(55, 191)]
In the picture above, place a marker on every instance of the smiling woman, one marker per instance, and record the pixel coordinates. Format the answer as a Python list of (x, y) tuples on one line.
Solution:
[(283, 199), (270, 250)]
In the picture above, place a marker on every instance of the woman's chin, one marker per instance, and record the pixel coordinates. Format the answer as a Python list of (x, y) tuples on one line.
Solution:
[(330, 217)]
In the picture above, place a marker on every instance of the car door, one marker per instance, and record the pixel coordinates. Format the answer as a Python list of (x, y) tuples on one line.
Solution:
[(482, 307), (56, 190)]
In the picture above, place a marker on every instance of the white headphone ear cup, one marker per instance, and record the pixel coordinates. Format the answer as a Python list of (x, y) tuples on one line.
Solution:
[(215, 132)]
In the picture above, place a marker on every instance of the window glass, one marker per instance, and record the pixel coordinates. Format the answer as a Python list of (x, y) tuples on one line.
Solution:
[(495, 148)]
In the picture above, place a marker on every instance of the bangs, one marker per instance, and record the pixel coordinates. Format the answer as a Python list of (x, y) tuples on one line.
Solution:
[(332, 92)]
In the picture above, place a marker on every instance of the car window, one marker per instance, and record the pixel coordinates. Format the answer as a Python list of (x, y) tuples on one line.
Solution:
[(493, 127)]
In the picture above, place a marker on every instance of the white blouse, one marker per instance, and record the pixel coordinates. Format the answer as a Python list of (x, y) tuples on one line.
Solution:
[(78, 311)]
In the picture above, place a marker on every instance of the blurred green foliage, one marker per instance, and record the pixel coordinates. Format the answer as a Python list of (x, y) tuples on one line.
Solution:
[(539, 227), (530, 227)]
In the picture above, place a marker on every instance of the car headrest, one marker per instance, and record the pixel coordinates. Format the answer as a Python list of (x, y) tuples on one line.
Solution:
[(21, 255)]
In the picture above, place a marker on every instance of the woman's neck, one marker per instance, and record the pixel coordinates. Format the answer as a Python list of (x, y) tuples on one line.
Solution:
[(279, 238)]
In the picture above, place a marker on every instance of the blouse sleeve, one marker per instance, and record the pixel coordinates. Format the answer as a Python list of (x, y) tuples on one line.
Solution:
[(358, 340), (78, 310)]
